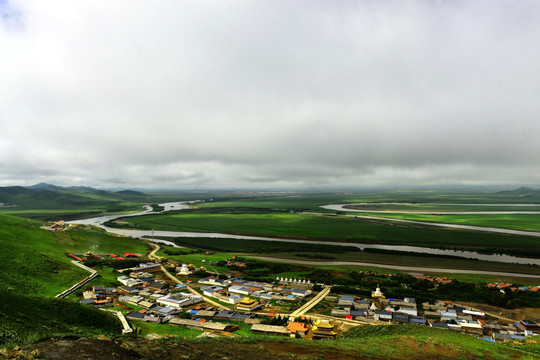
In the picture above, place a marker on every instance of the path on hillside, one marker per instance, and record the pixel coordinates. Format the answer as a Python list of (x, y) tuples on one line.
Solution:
[(87, 279), (411, 269), (310, 304), (126, 329)]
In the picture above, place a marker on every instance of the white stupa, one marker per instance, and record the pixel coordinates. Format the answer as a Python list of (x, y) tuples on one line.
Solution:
[(377, 294), (184, 270)]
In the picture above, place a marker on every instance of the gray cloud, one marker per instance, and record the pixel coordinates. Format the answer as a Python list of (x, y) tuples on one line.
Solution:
[(269, 93)]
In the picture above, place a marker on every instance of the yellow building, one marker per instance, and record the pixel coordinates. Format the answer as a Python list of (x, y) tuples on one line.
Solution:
[(248, 304), (322, 329)]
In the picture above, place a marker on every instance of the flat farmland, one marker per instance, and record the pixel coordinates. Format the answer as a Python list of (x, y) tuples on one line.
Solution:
[(333, 228)]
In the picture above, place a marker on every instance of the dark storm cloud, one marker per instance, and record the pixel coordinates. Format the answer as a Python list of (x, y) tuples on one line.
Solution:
[(271, 93)]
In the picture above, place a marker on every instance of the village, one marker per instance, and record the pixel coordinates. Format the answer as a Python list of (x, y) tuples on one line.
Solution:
[(219, 304)]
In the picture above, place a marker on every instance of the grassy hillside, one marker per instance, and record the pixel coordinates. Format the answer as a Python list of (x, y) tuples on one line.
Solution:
[(411, 341), (34, 269), (368, 342), (49, 202), (33, 261), (26, 319)]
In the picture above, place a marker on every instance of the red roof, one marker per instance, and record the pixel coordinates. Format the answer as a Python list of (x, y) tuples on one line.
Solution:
[(297, 326)]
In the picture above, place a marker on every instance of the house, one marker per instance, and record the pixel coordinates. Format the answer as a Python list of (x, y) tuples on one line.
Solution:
[(432, 314), (300, 292), (167, 310), (472, 327), (298, 329), (132, 299), (87, 301), (147, 267), (128, 290), (270, 329), (448, 315), (127, 281), (201, 325), (135, 315), (224, 314), (210, 290), (151, 319), (179, 300), (146, 304), (331, 297), (407, 310), (383, 315), (158, 287), (346, 300), (212, 280), (337, 312), (439, 325), (360, 312), (529, 326), (361, 304), (239, 316), (238, 289), (417, 320), (477, 314), (400, 318)]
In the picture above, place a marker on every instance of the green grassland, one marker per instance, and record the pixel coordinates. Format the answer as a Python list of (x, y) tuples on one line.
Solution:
[(528, 222), (334, 228), (34, 268), (27, 319), (438, 207), (33, 260)]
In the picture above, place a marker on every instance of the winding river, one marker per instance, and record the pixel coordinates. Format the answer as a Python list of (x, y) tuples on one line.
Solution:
[(99, 221)]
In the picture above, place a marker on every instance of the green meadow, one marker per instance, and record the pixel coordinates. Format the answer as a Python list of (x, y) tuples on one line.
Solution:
[(528, 222), (334, 228)]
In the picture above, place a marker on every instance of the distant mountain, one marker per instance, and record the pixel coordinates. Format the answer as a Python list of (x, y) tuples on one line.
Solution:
[(522, 193), (519, 191), (130, 193), (47, 196), (43, 186), (81, 188)]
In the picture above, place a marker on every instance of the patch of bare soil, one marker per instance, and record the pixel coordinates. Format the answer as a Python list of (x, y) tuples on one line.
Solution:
[(406, 348), (127, 349)]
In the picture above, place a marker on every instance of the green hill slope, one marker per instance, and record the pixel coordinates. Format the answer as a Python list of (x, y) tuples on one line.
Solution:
[(26, 319)]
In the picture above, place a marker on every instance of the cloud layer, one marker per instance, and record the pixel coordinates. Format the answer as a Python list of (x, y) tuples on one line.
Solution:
[(269, 93)]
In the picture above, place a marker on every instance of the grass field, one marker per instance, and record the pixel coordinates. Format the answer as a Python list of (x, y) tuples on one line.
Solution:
[(332, 228), (528, 222)]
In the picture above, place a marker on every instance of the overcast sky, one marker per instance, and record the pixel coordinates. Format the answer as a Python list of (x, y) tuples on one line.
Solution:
[(225, 93)]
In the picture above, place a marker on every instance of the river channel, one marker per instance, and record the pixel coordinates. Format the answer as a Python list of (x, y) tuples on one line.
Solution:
[(99, 221)]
